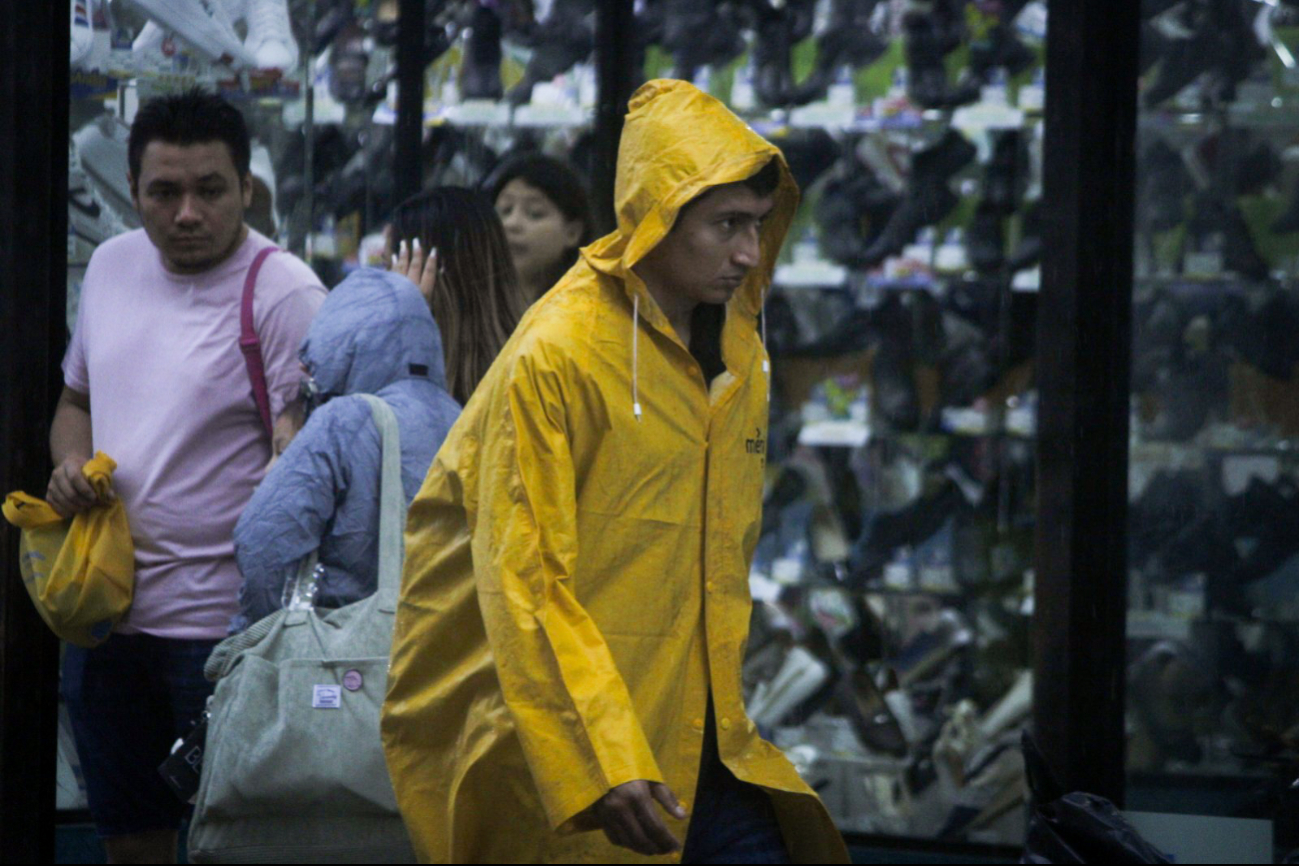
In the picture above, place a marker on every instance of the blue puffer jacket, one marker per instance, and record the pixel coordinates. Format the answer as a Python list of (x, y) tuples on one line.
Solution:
[(373, 335)]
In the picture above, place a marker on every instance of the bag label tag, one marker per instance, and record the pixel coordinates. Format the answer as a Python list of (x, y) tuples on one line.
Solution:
[(326, 697)]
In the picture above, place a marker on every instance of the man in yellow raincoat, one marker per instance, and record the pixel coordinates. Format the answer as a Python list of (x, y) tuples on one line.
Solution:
[(575, 603)]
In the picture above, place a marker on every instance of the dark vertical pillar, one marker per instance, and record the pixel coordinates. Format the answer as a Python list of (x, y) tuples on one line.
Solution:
[(33, 274), (615, 34), (1084, 361), (410, 99)]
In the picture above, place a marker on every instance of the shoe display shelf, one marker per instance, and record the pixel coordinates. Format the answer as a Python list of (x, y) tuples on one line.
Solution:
[(1213, 551), (893, 582)]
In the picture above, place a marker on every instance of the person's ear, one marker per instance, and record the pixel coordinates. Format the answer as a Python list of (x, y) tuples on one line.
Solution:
[(572, 232), (246, 188), (134, 187)]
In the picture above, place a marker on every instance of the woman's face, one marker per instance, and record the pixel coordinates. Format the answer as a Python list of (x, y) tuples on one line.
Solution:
[(536, 230)]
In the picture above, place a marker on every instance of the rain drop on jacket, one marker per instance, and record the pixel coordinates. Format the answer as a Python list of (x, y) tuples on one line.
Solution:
[(373, 335)]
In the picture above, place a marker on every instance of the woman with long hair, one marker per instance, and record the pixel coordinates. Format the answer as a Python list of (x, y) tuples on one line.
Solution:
[(450, 243)]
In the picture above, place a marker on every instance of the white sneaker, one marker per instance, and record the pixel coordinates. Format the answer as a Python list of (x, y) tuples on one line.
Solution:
[(270, 37), (90, 220), (150, 38), (83, 32), (204, 24), (101, 147), (797, 680)]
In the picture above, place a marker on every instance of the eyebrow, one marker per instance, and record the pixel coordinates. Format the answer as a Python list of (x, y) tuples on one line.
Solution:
[(744, 214), (214, 177)]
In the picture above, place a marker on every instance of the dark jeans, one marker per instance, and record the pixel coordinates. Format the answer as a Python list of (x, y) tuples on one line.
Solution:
[(129, 699), (733, 821)]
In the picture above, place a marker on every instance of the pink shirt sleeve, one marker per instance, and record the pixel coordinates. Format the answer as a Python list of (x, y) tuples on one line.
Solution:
[(75, 373), (281, 329)]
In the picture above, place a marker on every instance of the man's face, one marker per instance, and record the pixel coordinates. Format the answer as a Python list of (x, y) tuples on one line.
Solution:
[(711, 248), (191, 201)]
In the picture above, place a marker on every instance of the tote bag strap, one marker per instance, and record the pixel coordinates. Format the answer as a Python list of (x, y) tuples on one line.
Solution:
[(392, 505), (249, 343)]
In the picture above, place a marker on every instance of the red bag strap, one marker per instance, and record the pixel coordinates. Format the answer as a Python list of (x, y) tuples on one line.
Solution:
[(250, 345)]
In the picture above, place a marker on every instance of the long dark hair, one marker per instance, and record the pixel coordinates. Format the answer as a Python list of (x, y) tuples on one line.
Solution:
[(561, 184), (477, 299)]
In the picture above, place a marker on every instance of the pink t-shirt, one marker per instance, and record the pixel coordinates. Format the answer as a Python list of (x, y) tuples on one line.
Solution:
[(171, 402)]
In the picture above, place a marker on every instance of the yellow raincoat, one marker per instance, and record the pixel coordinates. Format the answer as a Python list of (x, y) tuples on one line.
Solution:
[(576, 579)]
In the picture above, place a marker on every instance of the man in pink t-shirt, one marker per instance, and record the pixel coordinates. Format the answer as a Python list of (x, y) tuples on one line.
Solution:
[(154, 377)]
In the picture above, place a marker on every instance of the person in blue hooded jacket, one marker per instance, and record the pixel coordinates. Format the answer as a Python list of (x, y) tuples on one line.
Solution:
[(374, 334)]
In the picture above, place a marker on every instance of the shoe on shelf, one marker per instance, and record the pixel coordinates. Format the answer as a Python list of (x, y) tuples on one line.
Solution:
[(101, 147), (480, 74), (205, 25), (563, 40), (83, 32), (696, 34), (270, 36)]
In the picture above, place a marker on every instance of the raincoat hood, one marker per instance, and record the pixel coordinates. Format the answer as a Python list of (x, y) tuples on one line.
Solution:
[(374, 329), (677, 142)]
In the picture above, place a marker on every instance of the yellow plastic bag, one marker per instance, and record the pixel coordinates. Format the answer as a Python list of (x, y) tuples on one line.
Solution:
[(79, 573)]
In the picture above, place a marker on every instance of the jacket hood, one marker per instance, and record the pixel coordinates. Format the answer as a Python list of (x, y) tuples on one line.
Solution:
[(373, 329), (677, 142)]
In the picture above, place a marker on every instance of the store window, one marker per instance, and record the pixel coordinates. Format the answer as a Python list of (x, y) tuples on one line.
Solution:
[(316, 81), (1213, 621), (888, 653)]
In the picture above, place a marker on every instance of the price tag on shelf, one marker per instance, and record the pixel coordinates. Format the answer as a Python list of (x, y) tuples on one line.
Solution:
[(810, 275), (835, 434)]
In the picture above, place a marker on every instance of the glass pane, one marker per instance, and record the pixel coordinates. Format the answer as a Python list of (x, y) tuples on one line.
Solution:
[(316, 82), (311, 192), (1213, 622), (888, 654)]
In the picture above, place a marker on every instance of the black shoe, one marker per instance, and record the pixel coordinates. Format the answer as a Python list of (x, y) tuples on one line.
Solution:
[(696, 34), (985, 244), (1221, 43), (928, 199), (1006, 176), (773, 82), (809, 154), (847, 40), (564, 40), (852, 212), (1162, 188), (927, 43), (1214, 218), (1000, 49), (480, 74)]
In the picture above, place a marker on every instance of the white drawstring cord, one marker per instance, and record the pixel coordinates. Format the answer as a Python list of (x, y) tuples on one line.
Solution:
[(635, 354), (766, 363)]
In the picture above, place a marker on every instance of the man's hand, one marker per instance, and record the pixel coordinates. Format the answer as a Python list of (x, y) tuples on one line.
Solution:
[(287, 426), (69, 492), (630, 820)]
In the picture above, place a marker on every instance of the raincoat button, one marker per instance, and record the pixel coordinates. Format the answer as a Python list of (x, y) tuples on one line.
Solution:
[(710, 586), (726, 724), (699, 724)]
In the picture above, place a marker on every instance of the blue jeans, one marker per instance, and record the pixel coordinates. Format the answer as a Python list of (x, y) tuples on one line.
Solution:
[(733, 821), (129, 699)]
